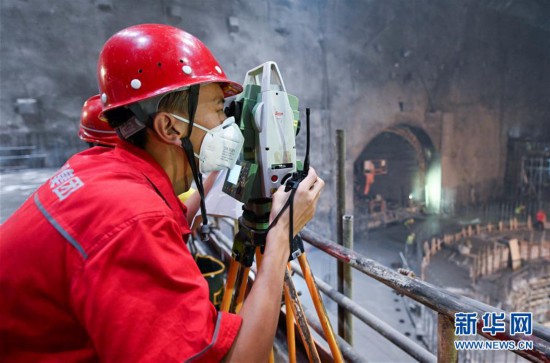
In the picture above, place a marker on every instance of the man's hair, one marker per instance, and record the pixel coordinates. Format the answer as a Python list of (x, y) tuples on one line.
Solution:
[(172, 102)]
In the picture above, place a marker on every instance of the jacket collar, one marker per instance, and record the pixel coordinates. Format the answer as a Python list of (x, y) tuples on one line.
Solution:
[(141, 161)]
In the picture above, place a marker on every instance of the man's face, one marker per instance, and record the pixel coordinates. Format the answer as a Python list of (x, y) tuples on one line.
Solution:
[(165, 142), (209, 112)]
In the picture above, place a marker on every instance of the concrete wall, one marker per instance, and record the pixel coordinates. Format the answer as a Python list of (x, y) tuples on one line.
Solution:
[(483, 71)]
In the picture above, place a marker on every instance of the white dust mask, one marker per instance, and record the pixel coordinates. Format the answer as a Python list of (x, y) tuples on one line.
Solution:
[(220, 147)]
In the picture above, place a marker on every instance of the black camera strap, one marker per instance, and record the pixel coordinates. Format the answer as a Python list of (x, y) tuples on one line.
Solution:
[(289, 203), (292, 185), (188, 149)]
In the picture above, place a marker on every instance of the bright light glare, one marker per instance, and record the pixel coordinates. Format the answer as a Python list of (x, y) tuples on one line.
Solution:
[(433, 187)]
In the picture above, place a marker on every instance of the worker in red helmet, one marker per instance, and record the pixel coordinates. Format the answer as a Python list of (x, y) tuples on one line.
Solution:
[(540, 220), (93, 129), (94, 264), (96, 131)]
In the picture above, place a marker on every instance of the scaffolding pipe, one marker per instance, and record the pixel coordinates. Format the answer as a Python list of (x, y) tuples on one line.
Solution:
[(387, 331), (446, 351), (347, 231), (435, 298), (340, 210)]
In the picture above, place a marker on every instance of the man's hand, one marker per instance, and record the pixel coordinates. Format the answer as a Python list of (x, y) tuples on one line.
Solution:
[(260, 311), (305, 202)]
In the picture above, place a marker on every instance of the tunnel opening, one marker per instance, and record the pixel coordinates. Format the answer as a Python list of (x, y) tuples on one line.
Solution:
[(396, 176)]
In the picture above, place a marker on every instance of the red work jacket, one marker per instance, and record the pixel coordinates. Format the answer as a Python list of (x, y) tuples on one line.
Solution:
[(93, 267)]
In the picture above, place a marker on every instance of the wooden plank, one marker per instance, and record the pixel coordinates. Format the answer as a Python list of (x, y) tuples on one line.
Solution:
[(515, 254)]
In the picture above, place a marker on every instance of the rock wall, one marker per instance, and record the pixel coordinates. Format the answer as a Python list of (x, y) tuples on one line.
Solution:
[(466, 73)]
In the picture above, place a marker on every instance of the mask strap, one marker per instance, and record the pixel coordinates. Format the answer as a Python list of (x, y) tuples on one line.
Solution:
[(183, 119), (188, 149)]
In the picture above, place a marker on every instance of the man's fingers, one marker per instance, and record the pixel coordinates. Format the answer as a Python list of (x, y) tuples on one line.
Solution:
[(281, 189), (310, 178), (317, 186)]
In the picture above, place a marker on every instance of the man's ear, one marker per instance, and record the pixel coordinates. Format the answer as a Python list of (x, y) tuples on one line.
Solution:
[(168, 129)]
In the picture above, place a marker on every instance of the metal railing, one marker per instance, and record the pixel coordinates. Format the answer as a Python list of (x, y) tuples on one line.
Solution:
[(445, 303)]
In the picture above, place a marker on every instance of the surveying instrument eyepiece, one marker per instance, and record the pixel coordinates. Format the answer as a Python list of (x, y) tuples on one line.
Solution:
[(269, 119)]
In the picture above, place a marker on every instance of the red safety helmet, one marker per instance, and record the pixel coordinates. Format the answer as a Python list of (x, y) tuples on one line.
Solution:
[(149, 60), (92, 127)]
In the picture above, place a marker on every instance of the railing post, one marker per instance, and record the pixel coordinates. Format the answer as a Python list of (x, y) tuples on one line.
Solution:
[(340, 210), (446, 351), (347, 226)]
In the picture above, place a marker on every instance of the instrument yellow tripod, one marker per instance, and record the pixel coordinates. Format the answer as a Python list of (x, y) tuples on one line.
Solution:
[(248, 244), (269, 119)]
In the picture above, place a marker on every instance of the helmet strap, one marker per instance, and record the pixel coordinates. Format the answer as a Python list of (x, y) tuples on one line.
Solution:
[(135, 124), (188, 149), (129, 128), (192, 106), (140, 113)]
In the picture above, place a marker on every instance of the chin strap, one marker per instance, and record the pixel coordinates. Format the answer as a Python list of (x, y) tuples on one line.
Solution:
[(142, 118), (188, 149)]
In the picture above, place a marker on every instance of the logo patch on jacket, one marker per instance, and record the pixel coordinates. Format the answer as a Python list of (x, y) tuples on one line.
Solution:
[(65, 182)]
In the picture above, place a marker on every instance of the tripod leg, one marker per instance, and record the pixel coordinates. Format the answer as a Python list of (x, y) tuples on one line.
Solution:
[(298, 312), (290, 331), (320, 307), (229, 285), (242, 289), (259, 257)]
